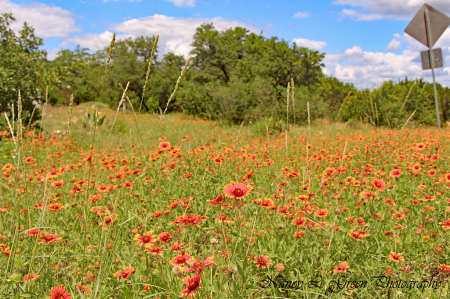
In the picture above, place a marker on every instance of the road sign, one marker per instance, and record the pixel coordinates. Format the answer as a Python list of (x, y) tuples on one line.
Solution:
[(438, 23), (427, 27), (437, 59)]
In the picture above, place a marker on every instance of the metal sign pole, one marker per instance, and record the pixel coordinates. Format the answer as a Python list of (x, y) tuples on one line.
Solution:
[(432, 68)]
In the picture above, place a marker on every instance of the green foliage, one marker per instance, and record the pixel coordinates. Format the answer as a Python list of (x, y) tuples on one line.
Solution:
[(269, 126), (23, 67), (91, 119), (236, 73)]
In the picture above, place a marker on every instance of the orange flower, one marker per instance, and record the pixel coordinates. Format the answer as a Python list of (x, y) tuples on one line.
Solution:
[(341, 268), (356, 236), (299, 234), (198, 266), (236, 190), (445, 224), (30, 277), (181, 259), (55, 207), (379, 185), (298, 221), (396, 257), (395, 173), (59, 292), (192, 284), (262, 261), (164, 145), (322, 213), (444, 268), (127, 271), (164, 237), (58, 184), (146, 240)]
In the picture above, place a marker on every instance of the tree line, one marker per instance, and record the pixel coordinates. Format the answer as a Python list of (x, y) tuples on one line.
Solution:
[(235, 76)]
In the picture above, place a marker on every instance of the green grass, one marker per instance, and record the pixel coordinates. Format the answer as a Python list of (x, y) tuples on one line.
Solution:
[(302, 180)]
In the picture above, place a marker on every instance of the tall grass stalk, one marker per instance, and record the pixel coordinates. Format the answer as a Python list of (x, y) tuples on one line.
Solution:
[(31, 117), (19, 117), (287, 115), (309, 121), (293, 97), (407, 97), (371, 103), (155, 43), (118, 108), (12, 133), (178, 82), (111, 47), (343, 104), (44, 108), (13, 116), (70, 114), (408, 120)]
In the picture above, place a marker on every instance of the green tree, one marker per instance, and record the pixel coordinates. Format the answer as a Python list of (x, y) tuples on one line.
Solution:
[(23, 67)]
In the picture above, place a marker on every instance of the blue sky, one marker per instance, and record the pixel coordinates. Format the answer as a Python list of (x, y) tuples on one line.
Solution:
[(364, 40)]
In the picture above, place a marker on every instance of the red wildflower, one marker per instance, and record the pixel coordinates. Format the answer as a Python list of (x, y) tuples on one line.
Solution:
[(164, 237), (127, 271), (59, 292), (57, 184), (30, 277), (181, 259), (164, 145), (154, 250), (262, 261), (299, 234), (146, 240), (396, 257), (444, 268), (192, 284), (341, 268), (298, 221), (379, 184), (198, 266), (395, 173), (322, 213), (445, 224), (236, 190)]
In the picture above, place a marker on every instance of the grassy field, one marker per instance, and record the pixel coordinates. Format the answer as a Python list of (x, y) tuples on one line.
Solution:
[(184, 207)]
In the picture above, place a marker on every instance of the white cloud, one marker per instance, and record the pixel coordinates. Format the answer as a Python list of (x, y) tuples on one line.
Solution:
[(447, 69), (388, 9), (96, 42), (394, 45), (312, 44), (180, 3), (302, 14), (48, 21), (365, 69), (175, 34)]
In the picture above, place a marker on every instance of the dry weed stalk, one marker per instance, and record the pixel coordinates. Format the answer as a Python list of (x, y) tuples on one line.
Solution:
[(31, 117), (111, 47), (118, 108), (293, 97), (407, 97), (309, 120), (19, 117), (343, 103), (70, 113), (408, 120), (287, 115), (178, 82), (155, 43)]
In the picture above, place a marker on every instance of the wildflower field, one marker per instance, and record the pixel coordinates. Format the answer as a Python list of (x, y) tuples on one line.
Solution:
[(179, 207)]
